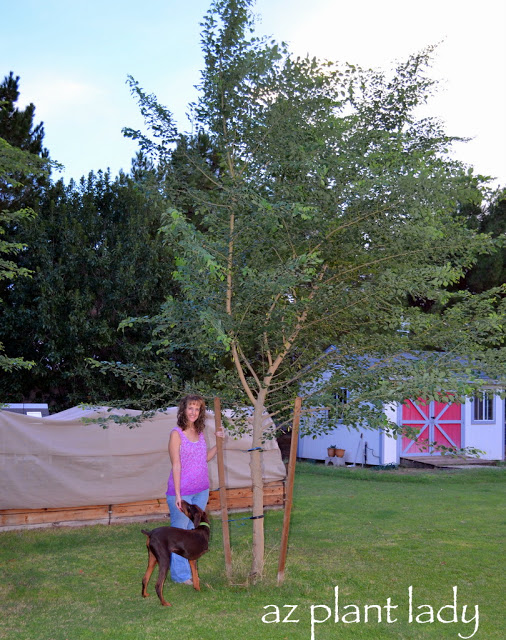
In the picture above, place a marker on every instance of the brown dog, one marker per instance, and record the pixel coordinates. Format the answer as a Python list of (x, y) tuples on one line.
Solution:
[(189, 543)]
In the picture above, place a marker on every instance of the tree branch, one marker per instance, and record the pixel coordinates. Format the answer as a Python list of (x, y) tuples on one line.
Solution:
[(248, 364), (368, 264), (240, 372), (298, 327)]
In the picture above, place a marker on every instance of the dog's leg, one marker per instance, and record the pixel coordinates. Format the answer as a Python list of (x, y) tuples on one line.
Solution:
[(152, 561), (195, 574), (163, 567)]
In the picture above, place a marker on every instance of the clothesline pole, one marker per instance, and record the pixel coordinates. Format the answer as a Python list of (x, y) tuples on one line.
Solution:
[(289, 490), (223, 491)]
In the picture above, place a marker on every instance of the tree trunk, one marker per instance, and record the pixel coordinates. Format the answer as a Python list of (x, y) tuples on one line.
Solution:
[(258, 487)]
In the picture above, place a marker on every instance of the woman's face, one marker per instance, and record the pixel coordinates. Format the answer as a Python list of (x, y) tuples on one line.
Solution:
[(192, 411)]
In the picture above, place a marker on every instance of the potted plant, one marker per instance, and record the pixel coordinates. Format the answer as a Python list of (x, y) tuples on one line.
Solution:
[(339, 452), (331, 450)]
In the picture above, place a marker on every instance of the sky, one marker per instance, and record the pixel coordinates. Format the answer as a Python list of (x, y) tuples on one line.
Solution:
[(74, 56)]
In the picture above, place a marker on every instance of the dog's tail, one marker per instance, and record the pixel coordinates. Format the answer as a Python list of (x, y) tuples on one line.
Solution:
[(146, 533)]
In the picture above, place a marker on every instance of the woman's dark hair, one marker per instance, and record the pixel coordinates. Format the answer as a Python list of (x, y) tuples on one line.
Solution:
[(181, 412)]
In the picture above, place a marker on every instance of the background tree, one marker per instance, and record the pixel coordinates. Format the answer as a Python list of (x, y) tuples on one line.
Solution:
[(17, 127), (13, 162), (16, 124), (96, 258), (331, 204), (490, 269), (22, 175)]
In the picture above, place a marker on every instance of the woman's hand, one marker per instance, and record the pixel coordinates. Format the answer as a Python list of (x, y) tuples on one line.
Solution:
[(178, 503)]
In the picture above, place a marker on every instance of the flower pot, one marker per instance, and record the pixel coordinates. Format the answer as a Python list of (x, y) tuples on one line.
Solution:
[(339, 452), (331, 452)]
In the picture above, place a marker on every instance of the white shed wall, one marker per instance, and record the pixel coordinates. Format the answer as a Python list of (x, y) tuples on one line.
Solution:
[(487, 436), (352, 441), (390, 447)]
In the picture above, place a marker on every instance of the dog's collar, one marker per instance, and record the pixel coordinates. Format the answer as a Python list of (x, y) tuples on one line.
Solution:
[(205, 524)]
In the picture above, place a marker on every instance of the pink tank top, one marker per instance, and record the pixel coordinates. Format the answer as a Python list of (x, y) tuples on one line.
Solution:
[(194, 474)]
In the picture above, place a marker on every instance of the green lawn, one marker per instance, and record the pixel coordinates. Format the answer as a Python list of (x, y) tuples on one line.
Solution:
[(372, 534)]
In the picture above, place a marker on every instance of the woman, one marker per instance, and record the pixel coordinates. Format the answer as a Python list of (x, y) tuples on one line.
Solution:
[(189, 478)]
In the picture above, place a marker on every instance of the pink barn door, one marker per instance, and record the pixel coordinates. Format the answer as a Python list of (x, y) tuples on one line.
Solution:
[(437, 422)]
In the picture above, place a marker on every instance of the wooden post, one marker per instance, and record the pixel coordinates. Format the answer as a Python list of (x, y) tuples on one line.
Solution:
[(223, 490), (289, 490)]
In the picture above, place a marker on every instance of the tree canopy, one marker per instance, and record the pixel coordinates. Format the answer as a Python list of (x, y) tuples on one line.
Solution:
[(319, 205)]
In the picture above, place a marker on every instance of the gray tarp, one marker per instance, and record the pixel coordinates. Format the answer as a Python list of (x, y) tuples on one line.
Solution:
[(58, 461)]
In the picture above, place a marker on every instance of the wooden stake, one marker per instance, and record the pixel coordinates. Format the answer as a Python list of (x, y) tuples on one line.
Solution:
[(223, 490), (289, 490)]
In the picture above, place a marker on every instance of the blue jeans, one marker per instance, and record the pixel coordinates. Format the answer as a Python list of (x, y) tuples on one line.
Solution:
[(179, 566)]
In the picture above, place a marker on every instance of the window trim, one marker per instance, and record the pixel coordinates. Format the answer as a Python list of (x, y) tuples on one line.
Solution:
[(480, 399)]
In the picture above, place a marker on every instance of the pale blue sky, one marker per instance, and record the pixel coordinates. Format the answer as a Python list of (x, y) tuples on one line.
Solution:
[(74, 56)]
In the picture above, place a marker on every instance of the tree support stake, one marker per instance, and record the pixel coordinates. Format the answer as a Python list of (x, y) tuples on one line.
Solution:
[(289, 490), (223, 490)]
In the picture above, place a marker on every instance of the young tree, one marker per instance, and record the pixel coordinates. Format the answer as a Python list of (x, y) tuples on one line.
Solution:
[(327, 205)]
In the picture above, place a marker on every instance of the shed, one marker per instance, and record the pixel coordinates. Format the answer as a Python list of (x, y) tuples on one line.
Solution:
[(478, 423)]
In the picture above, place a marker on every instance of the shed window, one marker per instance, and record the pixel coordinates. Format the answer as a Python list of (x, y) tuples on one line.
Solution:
[(341, 400), (483, 410)]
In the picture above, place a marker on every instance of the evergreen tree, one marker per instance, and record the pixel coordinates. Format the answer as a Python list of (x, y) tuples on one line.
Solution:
[(18, 129), (16, 125)]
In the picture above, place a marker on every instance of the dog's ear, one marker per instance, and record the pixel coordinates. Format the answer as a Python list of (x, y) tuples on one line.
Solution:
[(197, 515)]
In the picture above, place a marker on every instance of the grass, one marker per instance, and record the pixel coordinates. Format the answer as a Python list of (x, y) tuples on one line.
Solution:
[(371, 533)]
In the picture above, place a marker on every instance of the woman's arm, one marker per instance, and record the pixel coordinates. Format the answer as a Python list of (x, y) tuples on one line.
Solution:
[(175, 460), (212, 451)]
